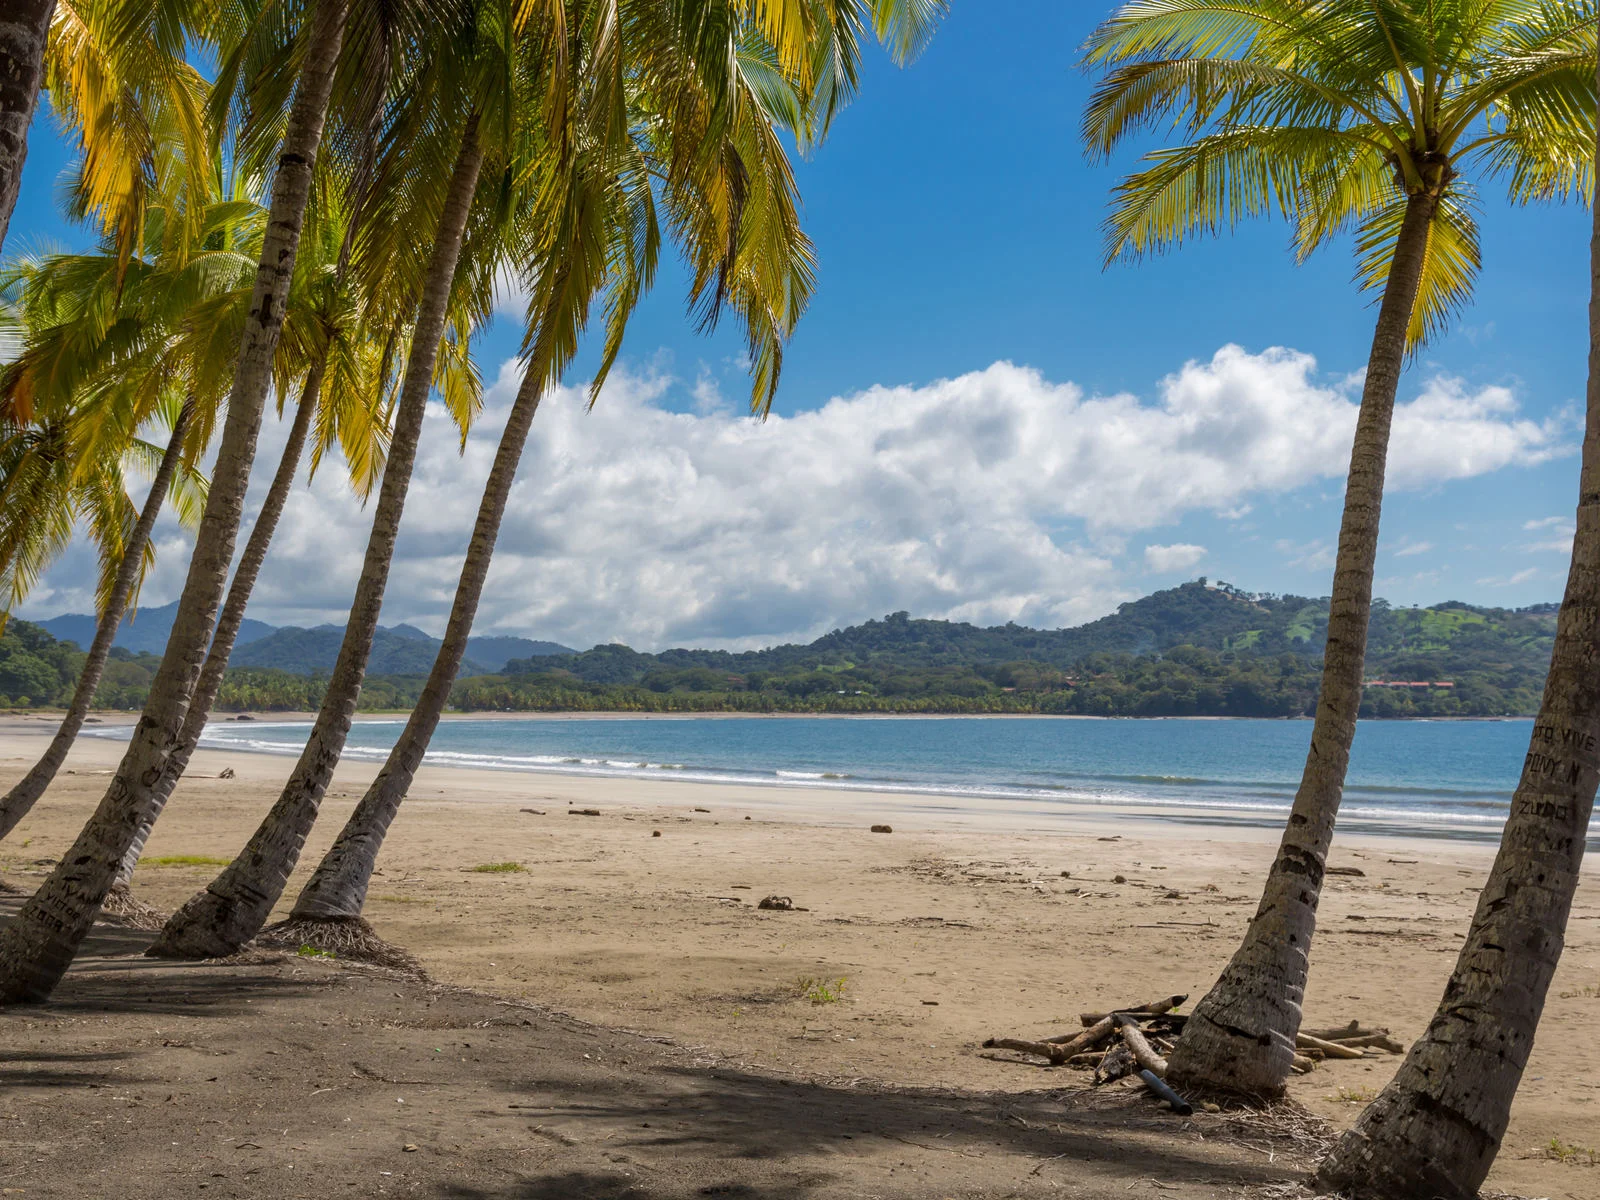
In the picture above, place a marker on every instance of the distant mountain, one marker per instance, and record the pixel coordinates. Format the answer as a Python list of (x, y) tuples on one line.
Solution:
[(501, 650), (145, 631), (397, 650)]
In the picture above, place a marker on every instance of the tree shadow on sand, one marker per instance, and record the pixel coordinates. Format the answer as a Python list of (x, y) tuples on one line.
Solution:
[(112, 975), (754, 1132)]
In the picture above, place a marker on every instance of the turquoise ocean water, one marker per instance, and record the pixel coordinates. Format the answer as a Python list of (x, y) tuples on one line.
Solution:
[(1440, 778)]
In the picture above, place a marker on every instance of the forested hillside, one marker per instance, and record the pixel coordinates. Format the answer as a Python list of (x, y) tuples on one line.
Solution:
[(1198, 649)]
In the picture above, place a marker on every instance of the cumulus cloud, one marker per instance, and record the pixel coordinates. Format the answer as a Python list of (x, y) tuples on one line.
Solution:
[(1178, 557), (1510, 580), (1410, 549), (995, 496)]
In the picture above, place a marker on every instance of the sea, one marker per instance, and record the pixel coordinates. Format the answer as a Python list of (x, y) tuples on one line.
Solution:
[(1450, 779)]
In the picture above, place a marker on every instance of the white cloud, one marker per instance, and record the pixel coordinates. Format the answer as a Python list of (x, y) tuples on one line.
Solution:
[(1411, 549), (1316, 555), (995, 496), (1549, 523), (1178, 557), (1510, 580)]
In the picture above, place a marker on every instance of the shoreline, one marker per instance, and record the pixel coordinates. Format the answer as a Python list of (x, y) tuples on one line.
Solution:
[(909, 807), (18, 719)]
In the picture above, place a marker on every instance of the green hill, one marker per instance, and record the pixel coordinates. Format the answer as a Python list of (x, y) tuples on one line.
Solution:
[(1199, 649)]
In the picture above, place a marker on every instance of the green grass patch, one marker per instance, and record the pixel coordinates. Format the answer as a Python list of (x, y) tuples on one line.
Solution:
[(820, 991), (185, 860), (505, 868), (1569, 1152), (308, 951)]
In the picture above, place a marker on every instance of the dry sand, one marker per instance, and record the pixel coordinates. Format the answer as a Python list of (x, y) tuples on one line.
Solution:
[(922, 943)]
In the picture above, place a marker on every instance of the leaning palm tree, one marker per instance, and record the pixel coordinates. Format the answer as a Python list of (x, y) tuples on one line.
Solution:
[(39, 943), (100, 332), (596, 201), (1367, 117), (24, 31), (455, 96), (766, 281), (104, 336), (1435, 1130)]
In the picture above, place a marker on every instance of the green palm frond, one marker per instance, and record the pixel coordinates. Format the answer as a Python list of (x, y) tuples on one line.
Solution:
[(1332, 116)]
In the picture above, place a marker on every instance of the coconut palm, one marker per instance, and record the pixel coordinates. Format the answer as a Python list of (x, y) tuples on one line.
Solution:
[(462, 105), (767, 282), (99, 359), (1435, 1130), (38, 945), (24, 31), (105, 337), (599, 196), (1371, 118), (362, 309)]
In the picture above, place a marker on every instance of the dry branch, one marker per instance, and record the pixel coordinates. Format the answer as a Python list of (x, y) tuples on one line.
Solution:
[(1146, 1057), (1330, 1049), (1145, 1011)]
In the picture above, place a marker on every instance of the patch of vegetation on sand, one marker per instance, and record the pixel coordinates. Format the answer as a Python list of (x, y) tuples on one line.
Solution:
[(499, 868), (819, 990), (186, 860)]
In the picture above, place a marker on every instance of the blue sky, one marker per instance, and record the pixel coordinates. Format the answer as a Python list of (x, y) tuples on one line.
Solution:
[(957, 226)]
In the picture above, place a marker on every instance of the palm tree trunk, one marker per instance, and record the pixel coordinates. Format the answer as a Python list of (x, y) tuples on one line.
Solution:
[(234, 907), (337, 891), (21, 798), (38, 946), (1435, 1130), (246, 573), (24, 30), (1240, 1038), (216, 664)]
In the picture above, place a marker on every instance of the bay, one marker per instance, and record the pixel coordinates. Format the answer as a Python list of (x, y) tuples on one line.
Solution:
[(1438, 778)]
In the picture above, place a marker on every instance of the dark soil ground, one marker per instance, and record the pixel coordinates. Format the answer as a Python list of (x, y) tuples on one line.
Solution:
[(276, 1075)]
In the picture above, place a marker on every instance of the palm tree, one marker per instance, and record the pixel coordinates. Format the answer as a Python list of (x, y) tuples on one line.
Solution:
[(104, 343), (1435, 1130), (24, 31), (602, 203), (38, 945), (235, 905), (16, 803), (1365, 117), (768, 283), (105, 336)]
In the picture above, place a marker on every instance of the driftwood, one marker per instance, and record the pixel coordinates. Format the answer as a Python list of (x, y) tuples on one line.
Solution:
[(1305, 1041), (1056, 1054), (1381, 1041), (1353, 1030), (1141, 1050), (1118, 1062), (1152, 1009), (1302, 1064)]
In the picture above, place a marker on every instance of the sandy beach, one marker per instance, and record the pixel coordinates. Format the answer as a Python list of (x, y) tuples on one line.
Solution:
[(920, 943)]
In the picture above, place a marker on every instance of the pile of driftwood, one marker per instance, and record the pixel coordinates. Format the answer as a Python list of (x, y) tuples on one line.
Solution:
[(1136, 1039)]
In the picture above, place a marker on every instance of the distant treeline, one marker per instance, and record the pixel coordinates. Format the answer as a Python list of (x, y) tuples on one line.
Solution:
[(1195, 650)]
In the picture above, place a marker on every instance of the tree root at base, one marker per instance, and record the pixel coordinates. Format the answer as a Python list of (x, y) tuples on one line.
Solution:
[(123, 908), (342, 937)]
